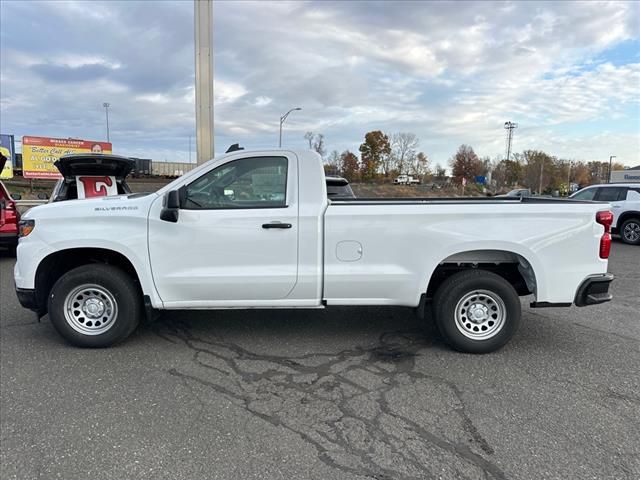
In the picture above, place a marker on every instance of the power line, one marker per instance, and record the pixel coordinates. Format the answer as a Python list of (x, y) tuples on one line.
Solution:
[(509, 127)]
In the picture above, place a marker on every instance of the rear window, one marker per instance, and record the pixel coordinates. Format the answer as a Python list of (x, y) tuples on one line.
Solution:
[(336, 191), (633, 194)]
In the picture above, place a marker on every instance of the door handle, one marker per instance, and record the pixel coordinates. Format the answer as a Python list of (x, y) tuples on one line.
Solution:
[(276, 225)]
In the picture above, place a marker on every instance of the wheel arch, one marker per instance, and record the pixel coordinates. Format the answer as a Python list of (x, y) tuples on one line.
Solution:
[(511, 265), (626, 216), (56, 264)]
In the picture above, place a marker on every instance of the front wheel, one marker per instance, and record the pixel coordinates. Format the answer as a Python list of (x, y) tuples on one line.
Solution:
[(476, 311), (630, 231), (95, 305)]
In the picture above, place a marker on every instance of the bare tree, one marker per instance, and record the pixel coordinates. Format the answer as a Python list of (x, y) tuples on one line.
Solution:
[(404, 146), (333, 165), (318, 145), (419, 165), (309, 138)]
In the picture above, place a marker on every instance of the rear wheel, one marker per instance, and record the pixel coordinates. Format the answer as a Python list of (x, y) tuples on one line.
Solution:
[(95, 305), (630, 231), (476, 311)]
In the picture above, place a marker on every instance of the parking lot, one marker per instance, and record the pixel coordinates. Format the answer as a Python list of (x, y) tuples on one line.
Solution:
[(333, 394)]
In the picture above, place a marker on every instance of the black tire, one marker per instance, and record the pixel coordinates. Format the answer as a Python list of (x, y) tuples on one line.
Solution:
[(121, 303), (629, 231), (491, 291)]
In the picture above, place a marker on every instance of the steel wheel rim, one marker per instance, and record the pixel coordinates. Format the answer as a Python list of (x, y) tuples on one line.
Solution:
[(632, 231), (90, 309), (480, 314)]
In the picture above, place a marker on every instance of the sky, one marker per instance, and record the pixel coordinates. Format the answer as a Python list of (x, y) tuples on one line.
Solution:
[(452, 73)]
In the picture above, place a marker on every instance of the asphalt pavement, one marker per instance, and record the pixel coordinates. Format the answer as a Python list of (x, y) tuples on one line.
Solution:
[(325, 394)]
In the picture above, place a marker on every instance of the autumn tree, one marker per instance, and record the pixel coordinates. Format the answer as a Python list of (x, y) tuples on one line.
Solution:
[(466, 164), (582, 174), (539, 170), (376, 145), (349, 166)]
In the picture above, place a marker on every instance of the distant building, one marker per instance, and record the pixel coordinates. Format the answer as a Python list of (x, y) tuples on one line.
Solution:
[(629, 175)]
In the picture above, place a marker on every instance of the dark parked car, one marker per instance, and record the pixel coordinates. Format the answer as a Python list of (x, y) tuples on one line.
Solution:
[(338, 187)]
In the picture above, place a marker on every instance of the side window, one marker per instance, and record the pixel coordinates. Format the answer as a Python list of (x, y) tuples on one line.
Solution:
[(586, 194), (610, 194), (259, 182)]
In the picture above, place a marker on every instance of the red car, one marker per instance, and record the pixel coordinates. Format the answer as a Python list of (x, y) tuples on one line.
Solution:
[(9, 215)]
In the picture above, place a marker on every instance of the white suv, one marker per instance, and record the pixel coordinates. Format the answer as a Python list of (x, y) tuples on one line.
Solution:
[(625, 200)]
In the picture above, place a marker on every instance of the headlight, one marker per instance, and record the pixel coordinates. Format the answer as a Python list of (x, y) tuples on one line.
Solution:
[(26, 227)]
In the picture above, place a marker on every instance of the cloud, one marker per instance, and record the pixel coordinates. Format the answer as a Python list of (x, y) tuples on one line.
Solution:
[(452, 72)]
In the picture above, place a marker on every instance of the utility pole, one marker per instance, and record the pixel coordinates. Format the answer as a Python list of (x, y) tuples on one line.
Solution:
[(541, 173), (568, 177), (610, 159), (510, 127), (106, 106), (203, 13)]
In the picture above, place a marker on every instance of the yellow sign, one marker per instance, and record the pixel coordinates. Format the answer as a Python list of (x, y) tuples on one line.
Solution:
[(7, 149), (7, 170), (40, 153)]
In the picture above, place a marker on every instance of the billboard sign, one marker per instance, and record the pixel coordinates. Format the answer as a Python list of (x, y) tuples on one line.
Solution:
[(8, 150), (40, 153), (626, 176)]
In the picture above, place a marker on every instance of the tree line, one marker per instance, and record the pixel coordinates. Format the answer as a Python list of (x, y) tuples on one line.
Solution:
[(382, 157), (533, 169)]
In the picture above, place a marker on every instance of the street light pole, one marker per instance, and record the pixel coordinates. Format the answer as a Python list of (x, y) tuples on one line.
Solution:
[(610, 158), (282, 119), (106, 111)]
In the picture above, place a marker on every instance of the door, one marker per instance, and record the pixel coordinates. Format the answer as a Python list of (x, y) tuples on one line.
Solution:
[(615, 196), (236, 238)]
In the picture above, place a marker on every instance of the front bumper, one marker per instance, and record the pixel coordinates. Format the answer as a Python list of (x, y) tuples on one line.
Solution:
[(27, 298), (594, 290)]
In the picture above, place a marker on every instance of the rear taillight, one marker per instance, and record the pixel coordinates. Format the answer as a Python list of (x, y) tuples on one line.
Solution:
[(11, 206), (605, 219)]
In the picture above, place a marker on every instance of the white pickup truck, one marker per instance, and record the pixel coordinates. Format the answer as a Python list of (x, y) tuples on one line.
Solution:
[(256, 230)]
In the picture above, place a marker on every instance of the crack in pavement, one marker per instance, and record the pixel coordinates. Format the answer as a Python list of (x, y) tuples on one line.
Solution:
[(340, 404)]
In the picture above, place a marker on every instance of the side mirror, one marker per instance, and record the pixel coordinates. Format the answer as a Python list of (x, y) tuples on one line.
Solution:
[(43, 196), (170, 206), (16, 196)]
